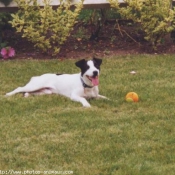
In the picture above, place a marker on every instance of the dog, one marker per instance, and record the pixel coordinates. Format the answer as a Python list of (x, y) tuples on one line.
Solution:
[(78, 87)]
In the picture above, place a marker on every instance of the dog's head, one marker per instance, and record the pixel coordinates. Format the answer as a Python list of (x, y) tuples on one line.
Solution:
[(90, 70)]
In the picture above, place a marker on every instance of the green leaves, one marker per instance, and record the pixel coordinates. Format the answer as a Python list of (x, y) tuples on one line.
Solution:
[(48, 29), (156, 17)]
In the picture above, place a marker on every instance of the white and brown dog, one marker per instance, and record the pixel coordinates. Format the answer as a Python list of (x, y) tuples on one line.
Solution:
[(77, 87)]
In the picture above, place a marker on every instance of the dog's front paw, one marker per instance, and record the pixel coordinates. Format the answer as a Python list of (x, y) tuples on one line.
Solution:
[(101, 96), (87, 105)]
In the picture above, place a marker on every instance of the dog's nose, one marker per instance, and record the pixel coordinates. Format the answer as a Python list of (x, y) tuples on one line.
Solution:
[(95, 73)]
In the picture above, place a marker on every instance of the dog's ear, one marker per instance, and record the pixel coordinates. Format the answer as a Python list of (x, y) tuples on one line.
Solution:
[(97, 61), (80, 63)]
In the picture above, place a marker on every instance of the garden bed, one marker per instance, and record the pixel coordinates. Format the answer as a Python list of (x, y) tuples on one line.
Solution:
[(113, 39)]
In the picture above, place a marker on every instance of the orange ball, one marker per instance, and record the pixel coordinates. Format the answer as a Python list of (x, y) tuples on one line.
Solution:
[(132, 96)]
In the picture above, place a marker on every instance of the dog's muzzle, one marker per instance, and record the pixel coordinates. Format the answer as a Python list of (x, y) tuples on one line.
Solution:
[(94, 78)]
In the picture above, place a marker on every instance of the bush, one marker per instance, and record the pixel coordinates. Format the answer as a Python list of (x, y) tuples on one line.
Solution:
[(155, 16), (48, 29), (4, 18)]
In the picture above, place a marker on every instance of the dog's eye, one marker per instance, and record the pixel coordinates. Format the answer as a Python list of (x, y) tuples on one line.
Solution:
[(97, 66)]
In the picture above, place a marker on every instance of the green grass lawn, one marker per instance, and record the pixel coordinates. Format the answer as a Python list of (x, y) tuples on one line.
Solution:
[(114, 137)]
